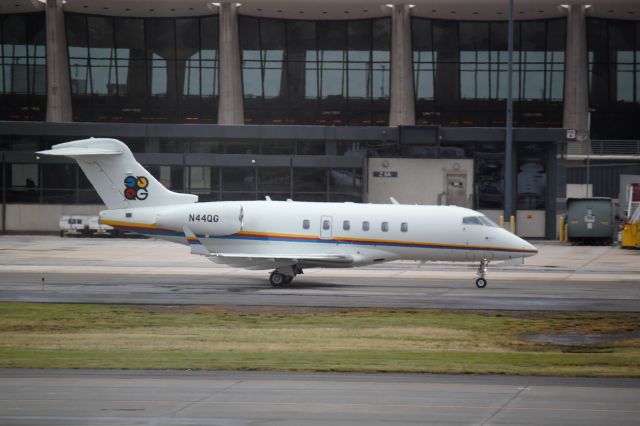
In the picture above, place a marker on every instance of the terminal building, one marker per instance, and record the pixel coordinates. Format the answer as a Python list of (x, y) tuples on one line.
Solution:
[(334, 100)]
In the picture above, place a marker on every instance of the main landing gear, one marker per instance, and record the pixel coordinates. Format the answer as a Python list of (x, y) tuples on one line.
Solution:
[(284, 275), (481, 282)]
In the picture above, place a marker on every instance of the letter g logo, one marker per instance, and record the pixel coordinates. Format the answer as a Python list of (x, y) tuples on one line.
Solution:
[(135, 188)]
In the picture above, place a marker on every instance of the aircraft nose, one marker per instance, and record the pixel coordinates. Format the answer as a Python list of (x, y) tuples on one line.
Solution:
[(526, 246)]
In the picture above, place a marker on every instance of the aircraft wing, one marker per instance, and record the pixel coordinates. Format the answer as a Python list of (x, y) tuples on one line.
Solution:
[(265, 261), (275, 260)]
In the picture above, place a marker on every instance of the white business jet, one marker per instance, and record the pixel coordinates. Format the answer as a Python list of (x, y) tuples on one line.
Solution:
[(286, 236)]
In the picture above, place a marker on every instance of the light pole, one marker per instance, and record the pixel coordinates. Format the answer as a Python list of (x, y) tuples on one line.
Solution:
[(589, 193), (508, 150)]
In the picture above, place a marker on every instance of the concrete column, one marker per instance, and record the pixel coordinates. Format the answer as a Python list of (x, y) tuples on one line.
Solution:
[(576, 81), (403, 109), (230, 101), (58, 82)]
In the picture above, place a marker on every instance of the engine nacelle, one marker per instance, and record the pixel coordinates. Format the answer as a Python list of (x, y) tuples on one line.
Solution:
[(204, 218)]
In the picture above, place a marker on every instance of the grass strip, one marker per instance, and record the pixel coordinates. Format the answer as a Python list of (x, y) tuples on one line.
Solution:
[(359, 340)]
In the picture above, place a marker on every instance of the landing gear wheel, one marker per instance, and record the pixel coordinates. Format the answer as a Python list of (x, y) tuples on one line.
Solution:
[(481, 283), (277, 279)]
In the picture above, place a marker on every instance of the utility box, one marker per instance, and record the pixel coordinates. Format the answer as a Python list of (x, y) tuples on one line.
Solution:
[(590, 220)]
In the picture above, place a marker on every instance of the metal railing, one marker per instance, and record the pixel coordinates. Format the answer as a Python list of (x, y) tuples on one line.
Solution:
[(604, 147)]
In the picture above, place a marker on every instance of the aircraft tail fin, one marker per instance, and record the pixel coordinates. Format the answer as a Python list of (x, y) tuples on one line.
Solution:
[(118, 178)]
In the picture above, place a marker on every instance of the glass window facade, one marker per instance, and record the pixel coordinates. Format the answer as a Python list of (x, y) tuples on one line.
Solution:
[(52, 181), (614, 78), (143, 70), (460, 72), (23, 71), (308, 72)]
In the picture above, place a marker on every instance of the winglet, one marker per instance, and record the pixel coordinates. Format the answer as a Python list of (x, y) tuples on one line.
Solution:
[(196, 245), (393, 200)]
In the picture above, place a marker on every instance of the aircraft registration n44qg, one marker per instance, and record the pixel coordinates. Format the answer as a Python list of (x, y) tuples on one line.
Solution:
[(286, 236)]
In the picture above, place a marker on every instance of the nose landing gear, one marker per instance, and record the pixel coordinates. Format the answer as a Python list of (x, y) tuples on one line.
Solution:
[(481, 282)]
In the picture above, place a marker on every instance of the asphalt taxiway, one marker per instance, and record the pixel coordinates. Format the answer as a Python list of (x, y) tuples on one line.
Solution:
[(151, 271), (145, 271), (68, 397)]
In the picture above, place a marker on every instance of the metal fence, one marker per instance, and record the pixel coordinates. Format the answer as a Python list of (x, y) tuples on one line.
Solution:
[(604, 147)]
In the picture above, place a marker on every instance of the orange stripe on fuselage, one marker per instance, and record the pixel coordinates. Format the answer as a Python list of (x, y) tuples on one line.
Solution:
[(302, 237), (376, 241)]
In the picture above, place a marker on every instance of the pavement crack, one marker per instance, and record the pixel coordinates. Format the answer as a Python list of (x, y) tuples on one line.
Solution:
[(503, 406), (210, 395)]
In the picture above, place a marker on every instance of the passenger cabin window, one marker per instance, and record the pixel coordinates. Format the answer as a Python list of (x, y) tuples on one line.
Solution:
[(384, 226), (326, 224), (404, 227), (346, 225), (306, 224), (365, 225)]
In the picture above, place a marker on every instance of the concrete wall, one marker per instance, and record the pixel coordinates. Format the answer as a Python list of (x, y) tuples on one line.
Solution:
[(531, 223), (579, 190), (43, 217), (418, 181)]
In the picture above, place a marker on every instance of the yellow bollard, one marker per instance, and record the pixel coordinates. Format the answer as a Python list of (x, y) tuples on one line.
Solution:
[(566, 233), (512, 224), (561, 229), (501, 221)]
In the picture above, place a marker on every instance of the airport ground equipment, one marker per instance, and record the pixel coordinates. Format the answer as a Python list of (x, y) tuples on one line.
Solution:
[(84, 225), (590, 220), (631, 227)]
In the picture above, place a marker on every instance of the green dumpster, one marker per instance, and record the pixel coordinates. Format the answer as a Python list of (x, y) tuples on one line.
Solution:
[(590, 220)]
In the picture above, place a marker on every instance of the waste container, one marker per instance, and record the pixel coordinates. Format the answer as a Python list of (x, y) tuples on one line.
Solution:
[(590, 220)]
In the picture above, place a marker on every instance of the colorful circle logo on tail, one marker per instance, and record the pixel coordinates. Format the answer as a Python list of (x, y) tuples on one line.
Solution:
[(135, 188)]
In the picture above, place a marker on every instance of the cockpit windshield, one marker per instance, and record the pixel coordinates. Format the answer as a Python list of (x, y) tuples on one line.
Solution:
[(479, 220), (488, 222), (471, 220)]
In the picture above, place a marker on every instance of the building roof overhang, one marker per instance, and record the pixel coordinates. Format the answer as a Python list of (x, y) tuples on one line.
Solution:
[(338, 9)]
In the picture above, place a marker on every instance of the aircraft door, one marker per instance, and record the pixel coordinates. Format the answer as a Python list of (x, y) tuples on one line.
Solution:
[(325, 227), (456, 191)]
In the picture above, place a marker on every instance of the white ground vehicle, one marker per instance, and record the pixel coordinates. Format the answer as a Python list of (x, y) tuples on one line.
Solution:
[(85, 225)]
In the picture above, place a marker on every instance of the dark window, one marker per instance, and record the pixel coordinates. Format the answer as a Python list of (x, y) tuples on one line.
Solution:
[(310, 180), (275, 179), (238, 179), (614, 77), (532, 177), (307, 72), (23, 72), (404, 227), (306, 224), (460, 72), (143, 70), (489, 174), (326, 224), (384, 226), (365, 225), (346, 225)]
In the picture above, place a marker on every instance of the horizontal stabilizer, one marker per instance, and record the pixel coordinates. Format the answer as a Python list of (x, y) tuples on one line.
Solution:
[(79, 151)]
